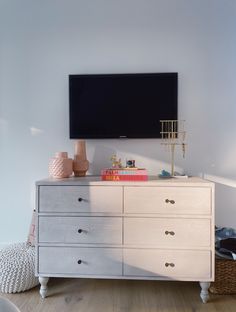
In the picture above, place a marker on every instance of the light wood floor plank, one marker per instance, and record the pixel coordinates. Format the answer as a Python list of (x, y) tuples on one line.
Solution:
[(91, 295)]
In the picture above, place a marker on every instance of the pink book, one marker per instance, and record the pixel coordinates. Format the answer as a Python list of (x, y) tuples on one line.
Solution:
[(124, 171)]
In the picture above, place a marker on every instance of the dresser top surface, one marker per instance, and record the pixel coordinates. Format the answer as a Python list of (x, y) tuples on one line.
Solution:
[(152, 181)]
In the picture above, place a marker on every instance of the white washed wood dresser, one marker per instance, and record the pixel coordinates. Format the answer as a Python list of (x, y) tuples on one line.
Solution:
[(154, 230)]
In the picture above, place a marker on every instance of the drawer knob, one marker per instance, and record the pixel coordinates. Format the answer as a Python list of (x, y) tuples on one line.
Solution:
[(80, 230), (79, 261), (170, 233), (171, 201), (80, 199), (167, 264)]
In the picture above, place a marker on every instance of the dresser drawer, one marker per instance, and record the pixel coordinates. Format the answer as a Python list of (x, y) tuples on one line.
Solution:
[(167, 200), (80, 261), (167, 232), (80, 199), (189, 264), (81, 230)]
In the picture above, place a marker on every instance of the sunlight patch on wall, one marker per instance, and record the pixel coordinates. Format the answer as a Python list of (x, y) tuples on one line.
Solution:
[(220, 180), (35, 131)]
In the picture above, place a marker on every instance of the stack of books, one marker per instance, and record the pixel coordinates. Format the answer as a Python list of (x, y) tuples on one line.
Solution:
[(124, 174)]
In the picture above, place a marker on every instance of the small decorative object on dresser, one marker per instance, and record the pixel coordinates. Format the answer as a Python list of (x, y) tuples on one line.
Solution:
[(60, 166), (130, 163), (115, 163), (80, 164)]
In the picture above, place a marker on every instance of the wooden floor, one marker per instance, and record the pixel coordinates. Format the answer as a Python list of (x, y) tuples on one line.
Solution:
[(90, 295)]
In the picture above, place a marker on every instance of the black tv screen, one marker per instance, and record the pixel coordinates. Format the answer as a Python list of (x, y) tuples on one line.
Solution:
[(121, 105)]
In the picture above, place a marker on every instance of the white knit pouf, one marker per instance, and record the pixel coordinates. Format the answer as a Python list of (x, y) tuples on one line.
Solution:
[(17, 268)]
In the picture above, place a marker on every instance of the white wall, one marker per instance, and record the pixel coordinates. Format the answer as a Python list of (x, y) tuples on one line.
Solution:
[(41, 42)]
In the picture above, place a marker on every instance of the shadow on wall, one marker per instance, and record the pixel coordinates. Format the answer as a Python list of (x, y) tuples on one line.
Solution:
[(147, 153), (101, 158), (7, 306)]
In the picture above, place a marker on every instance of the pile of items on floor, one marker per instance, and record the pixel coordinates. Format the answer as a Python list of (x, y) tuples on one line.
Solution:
[(225, 243)]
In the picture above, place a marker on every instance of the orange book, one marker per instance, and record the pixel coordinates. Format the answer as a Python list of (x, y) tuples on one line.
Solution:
[(123, 177)]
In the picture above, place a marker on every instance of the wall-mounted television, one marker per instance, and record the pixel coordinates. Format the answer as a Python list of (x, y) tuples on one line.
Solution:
[(121, 105)]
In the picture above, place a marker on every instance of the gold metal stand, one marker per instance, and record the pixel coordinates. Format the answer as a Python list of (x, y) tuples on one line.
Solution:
[(173, 133)]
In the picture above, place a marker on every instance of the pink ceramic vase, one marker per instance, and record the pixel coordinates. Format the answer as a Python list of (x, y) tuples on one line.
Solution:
[(80, 164), (60, 166)]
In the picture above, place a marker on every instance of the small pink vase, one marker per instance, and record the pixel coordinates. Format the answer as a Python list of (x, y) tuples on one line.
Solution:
[(80, 164), (60, 166)]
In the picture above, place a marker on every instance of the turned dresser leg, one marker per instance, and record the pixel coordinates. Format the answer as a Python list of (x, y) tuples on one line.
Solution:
[(43, 288), (204, 291)]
